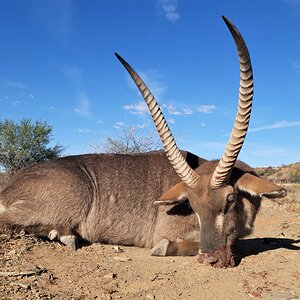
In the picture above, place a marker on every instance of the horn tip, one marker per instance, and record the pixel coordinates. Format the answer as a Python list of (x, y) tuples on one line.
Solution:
[(224, 18), (122, 60), (227, 22), (118, 56)]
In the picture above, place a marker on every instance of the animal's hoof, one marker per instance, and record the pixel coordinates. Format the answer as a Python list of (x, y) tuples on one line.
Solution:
[(53, 235), (161, 248), (69, 240)]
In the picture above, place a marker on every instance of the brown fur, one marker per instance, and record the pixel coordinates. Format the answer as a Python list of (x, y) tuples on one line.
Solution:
[(110, 198), (104, 197)]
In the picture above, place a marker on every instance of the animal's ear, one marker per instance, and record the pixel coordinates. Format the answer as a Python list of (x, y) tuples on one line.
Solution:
[(257, 186), (175, 195)]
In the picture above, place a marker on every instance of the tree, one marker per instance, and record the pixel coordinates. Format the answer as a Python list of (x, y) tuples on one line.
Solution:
[(25, 143), (131, 140)]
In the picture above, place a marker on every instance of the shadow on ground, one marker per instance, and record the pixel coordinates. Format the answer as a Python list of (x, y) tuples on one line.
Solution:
[(249, 247)]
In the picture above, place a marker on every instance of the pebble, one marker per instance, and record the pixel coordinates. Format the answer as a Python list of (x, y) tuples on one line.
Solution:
[(110, 276), (155, 276), (254, 294), (122, 258), (150, 296), (117, 249)]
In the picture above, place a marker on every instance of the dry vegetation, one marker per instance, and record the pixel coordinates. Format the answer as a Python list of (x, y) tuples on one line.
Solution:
[(284, 174), (269, 263)]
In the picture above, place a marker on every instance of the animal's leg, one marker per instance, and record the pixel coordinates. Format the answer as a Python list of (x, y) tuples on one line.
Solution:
[(65, 235), (178, 248), (69, 240)]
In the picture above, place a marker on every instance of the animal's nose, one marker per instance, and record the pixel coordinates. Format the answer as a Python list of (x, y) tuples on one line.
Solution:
[(219, 259)]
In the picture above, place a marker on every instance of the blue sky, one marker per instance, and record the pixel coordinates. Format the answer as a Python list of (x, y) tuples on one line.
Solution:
[(58, 65)]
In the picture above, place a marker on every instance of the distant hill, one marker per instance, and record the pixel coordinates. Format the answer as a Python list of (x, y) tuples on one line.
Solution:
[(288, 173)]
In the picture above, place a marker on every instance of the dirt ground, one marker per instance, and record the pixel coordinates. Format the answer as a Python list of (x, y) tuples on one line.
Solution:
[(269, 266)]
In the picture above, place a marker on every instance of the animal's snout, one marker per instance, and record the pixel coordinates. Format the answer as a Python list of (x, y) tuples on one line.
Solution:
[(221, 258)]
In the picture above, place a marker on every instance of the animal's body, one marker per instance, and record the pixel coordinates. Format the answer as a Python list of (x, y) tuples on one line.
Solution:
[(111, 198), (101, 198)]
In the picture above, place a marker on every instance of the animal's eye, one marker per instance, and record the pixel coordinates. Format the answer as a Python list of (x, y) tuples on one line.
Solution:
[(230, 199)]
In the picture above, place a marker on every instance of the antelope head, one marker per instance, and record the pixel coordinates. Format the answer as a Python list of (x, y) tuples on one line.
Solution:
[(226, 194)]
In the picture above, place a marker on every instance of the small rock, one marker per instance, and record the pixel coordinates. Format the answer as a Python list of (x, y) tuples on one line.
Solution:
[(122, 258), (154, 277), (110, 276), (12, 252), (117, 249), (254, 294), (150, 296)]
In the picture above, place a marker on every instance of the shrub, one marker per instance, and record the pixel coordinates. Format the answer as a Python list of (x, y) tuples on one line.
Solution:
[(25, 143)]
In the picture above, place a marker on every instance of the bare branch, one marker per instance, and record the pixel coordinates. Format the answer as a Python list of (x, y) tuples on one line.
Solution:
[(132, 140)]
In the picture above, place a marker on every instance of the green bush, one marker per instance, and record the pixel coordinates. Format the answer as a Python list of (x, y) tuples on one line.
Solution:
[(25, 143)]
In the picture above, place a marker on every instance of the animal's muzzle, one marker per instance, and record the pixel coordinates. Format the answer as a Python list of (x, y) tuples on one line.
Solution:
[(221, 258)]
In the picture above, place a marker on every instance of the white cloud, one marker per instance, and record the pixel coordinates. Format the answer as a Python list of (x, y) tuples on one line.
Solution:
[(139, 108), (83, 106), (83, 130), (172, 110), (207, 109), (119, 125), (142, 126), (169, 9), (50, 109), (171, 121), (16, 103), (277, 125), (187, 111)]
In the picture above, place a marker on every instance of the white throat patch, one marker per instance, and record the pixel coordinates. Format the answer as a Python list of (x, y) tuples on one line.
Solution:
[(220, 221)]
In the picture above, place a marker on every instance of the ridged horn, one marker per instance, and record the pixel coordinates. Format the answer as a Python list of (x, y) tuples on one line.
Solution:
[(239, 131), (185, 172)]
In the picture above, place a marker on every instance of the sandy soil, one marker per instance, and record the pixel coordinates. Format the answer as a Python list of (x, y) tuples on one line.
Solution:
[(269, 266)]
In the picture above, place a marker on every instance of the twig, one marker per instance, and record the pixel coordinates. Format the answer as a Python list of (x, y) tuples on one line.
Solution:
[(37, 271), (90, 271)]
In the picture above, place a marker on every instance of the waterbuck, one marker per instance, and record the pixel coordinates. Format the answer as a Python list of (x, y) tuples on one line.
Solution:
[(171, 201)]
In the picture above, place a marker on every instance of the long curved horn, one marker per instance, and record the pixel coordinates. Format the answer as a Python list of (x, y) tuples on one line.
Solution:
[(185, 172), (239, 131)]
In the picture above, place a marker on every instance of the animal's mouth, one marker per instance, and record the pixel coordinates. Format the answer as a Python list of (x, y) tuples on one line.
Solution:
[(221, 258)]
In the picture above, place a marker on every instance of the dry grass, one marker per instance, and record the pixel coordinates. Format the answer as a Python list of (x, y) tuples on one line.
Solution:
[(284, 174)]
